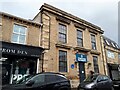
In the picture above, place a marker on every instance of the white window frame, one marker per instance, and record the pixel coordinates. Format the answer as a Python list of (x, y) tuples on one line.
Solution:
[(18, 33), (110, 54)]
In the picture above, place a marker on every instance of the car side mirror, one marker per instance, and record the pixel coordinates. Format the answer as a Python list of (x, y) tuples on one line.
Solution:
[(30, 83)]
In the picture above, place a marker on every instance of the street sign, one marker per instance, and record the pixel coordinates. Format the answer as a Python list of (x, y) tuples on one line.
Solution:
[(81, 57)]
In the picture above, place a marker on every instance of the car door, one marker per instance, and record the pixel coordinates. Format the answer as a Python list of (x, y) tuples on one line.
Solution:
[(99, 83), (107, 82), (36, 83), (103, 83), (51, 81)]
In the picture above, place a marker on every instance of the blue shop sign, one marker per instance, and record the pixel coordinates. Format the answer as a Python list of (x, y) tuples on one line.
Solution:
[(81, 58)]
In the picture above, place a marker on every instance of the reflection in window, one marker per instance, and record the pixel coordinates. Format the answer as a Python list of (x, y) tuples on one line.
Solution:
[(93, 42), (62, 33), (23, 67), (39, 79), (110, 54), (95, 62), (119, 56), (79, 38), (19, 34)]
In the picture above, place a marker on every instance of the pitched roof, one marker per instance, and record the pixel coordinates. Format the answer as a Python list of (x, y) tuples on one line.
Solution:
[(111, 43)]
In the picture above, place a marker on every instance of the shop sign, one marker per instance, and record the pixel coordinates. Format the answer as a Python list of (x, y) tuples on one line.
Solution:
[(20, 50), (81, 58), (13, 51)]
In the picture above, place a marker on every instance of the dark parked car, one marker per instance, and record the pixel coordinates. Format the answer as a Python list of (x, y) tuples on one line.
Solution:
[(42, 81), (97, 82)]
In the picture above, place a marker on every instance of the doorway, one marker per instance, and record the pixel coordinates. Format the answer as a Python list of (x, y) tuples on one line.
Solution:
[(81, 71)]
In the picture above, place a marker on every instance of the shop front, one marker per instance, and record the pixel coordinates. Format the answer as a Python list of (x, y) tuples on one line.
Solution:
[(18, 61), (114, 71)]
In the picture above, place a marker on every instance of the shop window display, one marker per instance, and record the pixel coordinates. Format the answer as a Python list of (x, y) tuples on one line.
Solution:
[(22, 68)]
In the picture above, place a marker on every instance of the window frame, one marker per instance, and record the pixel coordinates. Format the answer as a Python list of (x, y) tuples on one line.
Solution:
[(63, 59), (93, 42), (110, 54), (80, 38), (95, 63), (62, 31), (19, 34)]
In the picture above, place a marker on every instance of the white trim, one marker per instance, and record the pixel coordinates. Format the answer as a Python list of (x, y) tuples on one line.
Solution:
[(18, 33), (37, 71)]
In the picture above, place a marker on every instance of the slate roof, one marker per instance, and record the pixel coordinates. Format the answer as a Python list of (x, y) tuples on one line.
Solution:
[(110, 43)]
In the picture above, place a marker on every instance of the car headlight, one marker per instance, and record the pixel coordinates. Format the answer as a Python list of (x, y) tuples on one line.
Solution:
[(89, 85)]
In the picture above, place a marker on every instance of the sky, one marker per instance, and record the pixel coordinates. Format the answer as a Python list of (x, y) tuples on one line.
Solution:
[(103, 13)]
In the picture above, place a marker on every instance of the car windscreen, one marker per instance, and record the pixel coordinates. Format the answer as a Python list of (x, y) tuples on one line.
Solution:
[(91, 79)]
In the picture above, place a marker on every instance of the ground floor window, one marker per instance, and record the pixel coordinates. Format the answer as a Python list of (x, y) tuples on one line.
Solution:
[(23, 67), (95, 63), (13, 69), (5, 70), (62, 61)]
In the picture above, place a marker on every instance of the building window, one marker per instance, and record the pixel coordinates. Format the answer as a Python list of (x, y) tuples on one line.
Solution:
[(117, 46), (23, 67), (19, 34), (119, 56), (62, 61), (93, 42), (113, 44), (107, 42), (110, 54), (79, 38), (95, 62), (62, 33)]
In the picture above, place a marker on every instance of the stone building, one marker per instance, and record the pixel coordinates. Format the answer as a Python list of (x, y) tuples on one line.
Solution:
[(111, 57), (73, 45), (21, 50)]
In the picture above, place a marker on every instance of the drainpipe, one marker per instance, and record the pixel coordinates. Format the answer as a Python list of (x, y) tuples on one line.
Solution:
[(42, 56)]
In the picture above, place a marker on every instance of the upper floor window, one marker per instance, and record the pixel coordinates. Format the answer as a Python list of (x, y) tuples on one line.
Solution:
[(19, 34), (107, 42), (119, 56), (93, 41), (110, 54), (79, 38), (62, 33), (95, 62), (62, 61)]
